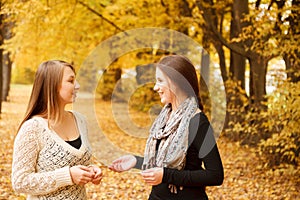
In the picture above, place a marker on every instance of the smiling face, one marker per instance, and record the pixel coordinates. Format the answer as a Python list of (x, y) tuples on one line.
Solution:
[(69, 87), (163, 87)]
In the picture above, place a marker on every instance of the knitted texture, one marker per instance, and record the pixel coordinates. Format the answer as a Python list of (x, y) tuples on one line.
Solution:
[(42, 159)]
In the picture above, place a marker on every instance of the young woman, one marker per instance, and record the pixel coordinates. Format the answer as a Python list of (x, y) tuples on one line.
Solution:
[(181, 156), (51, 158)]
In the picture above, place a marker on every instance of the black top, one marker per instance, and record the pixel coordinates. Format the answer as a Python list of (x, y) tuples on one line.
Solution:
[(202, 150), (75, 143)]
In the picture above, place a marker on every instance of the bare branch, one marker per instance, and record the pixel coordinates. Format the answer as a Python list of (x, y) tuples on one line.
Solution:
[(257, 3), (101, 16)]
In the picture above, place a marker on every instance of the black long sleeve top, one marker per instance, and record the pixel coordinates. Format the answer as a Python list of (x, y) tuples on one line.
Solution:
[(203, 166)]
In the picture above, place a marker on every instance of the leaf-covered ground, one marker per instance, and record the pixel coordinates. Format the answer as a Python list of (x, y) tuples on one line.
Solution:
[(246, 176)]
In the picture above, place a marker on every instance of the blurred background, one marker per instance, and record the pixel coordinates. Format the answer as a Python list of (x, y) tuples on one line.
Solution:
[(250, 53)]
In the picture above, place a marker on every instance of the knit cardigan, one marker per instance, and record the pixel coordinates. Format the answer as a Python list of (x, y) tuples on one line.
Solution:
[(42, 159)]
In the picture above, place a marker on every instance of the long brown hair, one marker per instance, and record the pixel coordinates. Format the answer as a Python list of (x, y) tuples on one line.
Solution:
[(184, 70), (44, 98)]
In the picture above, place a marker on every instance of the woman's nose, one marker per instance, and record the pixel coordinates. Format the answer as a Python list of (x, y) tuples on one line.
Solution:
[(155, 88), (77, 85)]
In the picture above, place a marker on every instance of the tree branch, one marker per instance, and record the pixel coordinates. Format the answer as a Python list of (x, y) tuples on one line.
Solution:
[(213, 27), (101, 16), (257, 3)]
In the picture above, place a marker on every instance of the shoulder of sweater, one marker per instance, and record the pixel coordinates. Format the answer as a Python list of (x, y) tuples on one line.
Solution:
[(31, 129), (32, 120), (81, 122), (32, 123), (78, 115), (199, 117)]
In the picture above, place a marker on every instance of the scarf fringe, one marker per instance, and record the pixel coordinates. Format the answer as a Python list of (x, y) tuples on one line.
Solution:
[(173, 188)]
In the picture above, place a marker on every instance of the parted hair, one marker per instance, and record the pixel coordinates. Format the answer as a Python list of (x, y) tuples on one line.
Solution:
[(44, 98), (182, 73)]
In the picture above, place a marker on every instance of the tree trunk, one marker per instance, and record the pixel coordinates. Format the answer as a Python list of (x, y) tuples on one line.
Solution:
[(6, 62), (222, 62), (258, 72), (1, 55), (237, 68), (6, 70), (238, 62), (292, 60), (1, 79), (204, 80), (235, 102)]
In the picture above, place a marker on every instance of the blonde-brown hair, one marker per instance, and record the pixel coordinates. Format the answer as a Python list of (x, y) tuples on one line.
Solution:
[(44, 98)]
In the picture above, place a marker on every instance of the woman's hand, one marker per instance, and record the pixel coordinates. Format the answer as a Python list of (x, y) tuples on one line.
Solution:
[(97, 174), (81, 175), (123, 163), (153, 176)]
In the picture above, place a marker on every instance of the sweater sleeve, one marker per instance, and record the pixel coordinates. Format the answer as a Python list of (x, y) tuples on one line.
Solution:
[(139, 162), (205, 143), (25, 179)]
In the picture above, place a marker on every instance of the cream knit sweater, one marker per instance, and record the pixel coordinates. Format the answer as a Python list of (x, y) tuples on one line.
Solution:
[(41, 161)]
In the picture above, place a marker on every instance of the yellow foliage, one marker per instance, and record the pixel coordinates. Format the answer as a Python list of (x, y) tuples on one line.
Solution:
[(284, 117), (46, 30), (275, 130)]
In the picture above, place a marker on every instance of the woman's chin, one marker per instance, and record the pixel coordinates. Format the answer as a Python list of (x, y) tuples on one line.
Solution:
[(163, 101)]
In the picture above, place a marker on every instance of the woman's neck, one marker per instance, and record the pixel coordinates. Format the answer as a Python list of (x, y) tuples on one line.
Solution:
[(63, 115), (177, 101)]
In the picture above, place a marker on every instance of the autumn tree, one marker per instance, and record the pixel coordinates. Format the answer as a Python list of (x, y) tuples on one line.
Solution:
[(50, 30), (123, 15), (251, 36), (258, 32), (6, 60), (291, 38), (1, 55)]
